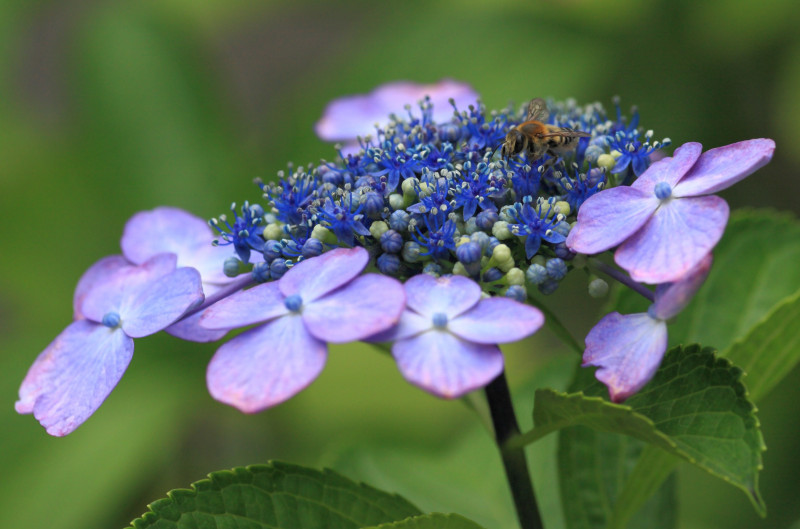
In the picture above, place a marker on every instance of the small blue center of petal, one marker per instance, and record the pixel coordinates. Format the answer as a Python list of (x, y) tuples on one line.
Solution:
[(440, 320), (663, 190), (111, 320), (293, 302), (651, 311)]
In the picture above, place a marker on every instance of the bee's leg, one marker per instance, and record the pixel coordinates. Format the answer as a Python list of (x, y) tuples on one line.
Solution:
[(546, 166)]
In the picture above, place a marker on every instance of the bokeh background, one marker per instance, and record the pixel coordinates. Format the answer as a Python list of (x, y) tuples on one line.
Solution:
[(108, 108)]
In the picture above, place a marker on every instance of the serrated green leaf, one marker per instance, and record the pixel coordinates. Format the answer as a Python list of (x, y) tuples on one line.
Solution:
[(695, 408), (771, 349), (595, 470), (275, 496), (431, 521)]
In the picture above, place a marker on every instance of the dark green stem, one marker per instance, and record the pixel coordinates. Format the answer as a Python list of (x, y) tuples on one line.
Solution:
[(514, 462)]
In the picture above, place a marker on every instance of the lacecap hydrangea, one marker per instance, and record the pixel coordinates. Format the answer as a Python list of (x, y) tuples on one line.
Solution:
[(419, 232)]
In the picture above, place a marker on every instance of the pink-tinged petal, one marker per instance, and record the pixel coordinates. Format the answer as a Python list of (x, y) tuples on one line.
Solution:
[(627, 349), (126, 282), (722, 167), (680, 234), (497, 320), (352, 116), (162, 230), (176, 231), (410, 324), (161, 302), (261, 303), (670, 169), (608, 218), (74, 375), (450, 295), (671, 298), (315, 277), (97, 274), (266, 365), (369, 304), (445, 365), (189, 329)]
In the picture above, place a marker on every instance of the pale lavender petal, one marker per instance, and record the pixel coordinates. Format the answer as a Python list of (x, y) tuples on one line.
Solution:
[(497, 320), (680, 234), (669, 170), (97, 274), (608, 218), (189, 329), (450, 295), (266, 365), (722, 167), (173, 230), (315, 277), (74, 375), (627, 349), (161, 302), (261, 303), (445, 365), (352, 116), (410, 324), (127, 281), (369, 304), (671, 298), (162, 230)]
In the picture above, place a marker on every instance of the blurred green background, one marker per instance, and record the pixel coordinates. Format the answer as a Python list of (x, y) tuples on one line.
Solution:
[(108, 108)]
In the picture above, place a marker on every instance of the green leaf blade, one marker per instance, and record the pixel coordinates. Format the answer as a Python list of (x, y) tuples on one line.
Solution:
[(431, 521), (694, 408), (275, 496)]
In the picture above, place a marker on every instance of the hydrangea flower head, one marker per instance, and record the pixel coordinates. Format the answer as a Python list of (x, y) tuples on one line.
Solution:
[(667, 221), (319, 300), (446, 340), (628, 348), (117, 302)]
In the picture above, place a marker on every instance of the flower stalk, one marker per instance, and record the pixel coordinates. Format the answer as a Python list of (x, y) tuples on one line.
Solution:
[(515, 463)]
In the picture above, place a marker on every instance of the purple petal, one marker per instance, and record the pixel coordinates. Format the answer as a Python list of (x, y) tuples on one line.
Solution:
[(173, 230), (445, 365), (261, 303), (497, 320), (608, 218), (352, 116), (409, 325), (722, 167), (369, 304), (161, 230), (161, 302), (315, 277), (190, 329), (670, 169), (450, 295), (110, 294), (671, 298), (97, 274), (266, 365), (675, 240), (627, 349), (74, 375)]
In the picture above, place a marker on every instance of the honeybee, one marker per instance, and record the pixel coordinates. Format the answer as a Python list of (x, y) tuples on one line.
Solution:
[(537, 138)]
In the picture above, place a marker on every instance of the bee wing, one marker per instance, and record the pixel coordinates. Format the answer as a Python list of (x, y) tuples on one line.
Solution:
[(566, 133), (537, 110)]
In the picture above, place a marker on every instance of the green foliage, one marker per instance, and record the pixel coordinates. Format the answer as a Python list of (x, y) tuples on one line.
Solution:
[(431, 521), (276, 496), (695, 408)]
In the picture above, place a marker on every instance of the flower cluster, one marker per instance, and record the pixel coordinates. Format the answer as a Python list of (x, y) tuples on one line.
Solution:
[(459, 235)]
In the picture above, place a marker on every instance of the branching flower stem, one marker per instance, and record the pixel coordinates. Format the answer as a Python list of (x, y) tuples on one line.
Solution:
[(624, 279), (514, 461)]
